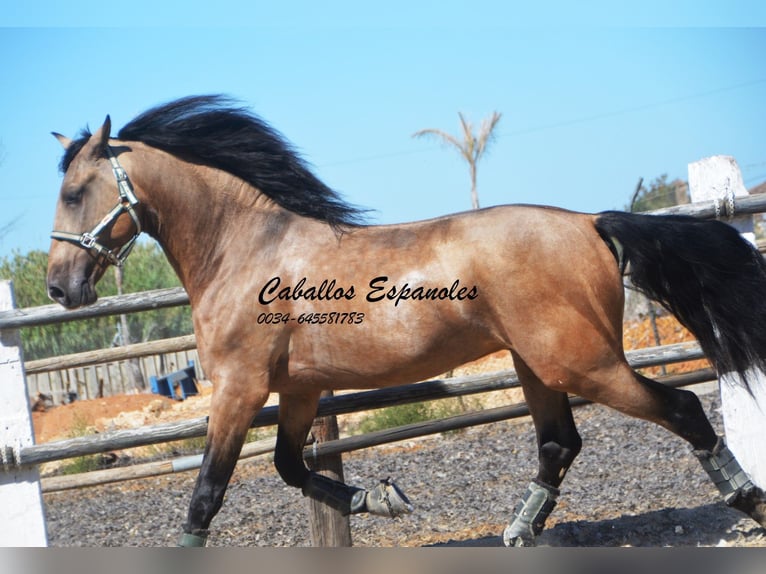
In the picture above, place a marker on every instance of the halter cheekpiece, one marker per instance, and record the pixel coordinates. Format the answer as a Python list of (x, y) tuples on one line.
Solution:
[(89, 240)]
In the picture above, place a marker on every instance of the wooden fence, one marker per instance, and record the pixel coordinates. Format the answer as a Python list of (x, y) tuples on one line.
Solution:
[(101, 380), (102, 373), (19, 454), (359, 402)]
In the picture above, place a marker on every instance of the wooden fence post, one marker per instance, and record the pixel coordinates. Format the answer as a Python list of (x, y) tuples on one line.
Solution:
[(21, 504), (328, 526), (718, 178)]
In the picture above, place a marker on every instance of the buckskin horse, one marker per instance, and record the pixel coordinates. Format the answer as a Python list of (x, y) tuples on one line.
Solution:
[(292, 293)]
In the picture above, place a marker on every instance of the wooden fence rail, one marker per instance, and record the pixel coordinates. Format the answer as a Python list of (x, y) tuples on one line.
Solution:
[(100, 356), (743, 205), (339, 446), (104, 307), (343, 404)]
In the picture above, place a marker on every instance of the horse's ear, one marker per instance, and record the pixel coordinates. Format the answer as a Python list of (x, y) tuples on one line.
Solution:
[(63, 140), (101, 138)]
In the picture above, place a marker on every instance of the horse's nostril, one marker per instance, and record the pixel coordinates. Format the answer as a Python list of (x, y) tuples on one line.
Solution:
[(56, 293)]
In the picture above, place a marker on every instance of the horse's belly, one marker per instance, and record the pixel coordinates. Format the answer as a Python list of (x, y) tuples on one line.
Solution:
[(361, 362)]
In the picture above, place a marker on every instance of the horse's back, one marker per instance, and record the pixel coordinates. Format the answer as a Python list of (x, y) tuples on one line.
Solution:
[(542, 278)]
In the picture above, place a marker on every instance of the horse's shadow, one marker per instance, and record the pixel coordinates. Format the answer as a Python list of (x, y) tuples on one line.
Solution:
[(707, 525)]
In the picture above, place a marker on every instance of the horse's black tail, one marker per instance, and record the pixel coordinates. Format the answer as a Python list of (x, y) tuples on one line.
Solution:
[(704, 273)]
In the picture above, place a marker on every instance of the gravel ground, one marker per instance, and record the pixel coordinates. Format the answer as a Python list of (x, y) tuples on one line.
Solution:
[(634, 484)]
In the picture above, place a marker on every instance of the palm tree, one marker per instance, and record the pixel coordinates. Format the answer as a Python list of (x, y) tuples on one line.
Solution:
[(471, 147)]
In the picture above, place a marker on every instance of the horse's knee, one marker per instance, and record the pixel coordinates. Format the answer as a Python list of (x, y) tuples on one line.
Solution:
[(293, 472)]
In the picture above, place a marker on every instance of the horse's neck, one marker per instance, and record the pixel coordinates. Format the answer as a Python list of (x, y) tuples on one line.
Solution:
[(197, 213)]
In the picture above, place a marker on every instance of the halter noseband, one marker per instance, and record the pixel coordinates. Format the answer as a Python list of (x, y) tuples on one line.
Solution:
[(128, 200)]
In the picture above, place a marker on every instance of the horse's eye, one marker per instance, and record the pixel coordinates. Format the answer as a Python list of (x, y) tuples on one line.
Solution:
[(73, 197)]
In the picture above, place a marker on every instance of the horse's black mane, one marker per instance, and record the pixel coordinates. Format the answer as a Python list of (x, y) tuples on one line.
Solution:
[(213, 131)]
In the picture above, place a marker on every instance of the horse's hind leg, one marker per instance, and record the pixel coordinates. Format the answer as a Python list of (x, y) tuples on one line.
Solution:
[(680, 412), (296, 413), (558, 444), (690, 422), (613, 383)]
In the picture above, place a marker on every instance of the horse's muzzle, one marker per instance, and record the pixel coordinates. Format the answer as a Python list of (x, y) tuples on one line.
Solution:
[(76, 294)]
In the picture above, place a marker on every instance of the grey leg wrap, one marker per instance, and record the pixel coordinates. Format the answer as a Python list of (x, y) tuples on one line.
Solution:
[(346, 499), (188, 540), (725, 471), (530, 515), (386, 499)]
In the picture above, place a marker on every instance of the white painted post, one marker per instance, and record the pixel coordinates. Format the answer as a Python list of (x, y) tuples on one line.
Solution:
[(744, 415), (718, 178), (22, 518)]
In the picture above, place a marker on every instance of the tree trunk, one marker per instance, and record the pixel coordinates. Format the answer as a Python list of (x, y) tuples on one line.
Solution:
[(135, 374), (474, 192)]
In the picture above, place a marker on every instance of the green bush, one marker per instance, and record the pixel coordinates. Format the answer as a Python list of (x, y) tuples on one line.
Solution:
[(411, 413), (81, 463)]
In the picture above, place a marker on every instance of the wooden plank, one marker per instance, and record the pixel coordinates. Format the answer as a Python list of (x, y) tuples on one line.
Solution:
[(352, 402), (706, 209), (266, 446), (158, 468), (664, 355), (415, 430), (114, 354), (115, 440), (107, 306), (23, 517)]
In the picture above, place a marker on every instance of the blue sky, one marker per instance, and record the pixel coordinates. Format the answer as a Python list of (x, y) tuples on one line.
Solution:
[(592, 98)]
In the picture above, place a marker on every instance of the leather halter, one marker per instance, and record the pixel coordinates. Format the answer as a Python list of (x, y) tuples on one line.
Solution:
[(89, 240)]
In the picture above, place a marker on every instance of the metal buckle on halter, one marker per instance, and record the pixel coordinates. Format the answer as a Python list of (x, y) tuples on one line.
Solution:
[(87, 240), (119, 173)]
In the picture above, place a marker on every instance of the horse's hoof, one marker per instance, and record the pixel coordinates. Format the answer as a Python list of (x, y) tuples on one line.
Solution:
[(515, 540), (387, 499), (751, 501), (188, 540)]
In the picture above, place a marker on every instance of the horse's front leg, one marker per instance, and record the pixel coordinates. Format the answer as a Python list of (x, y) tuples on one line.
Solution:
[(296, 413), (233, 406)]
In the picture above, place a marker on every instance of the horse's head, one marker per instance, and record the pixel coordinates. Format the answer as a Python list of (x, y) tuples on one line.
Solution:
[(91, 232)]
